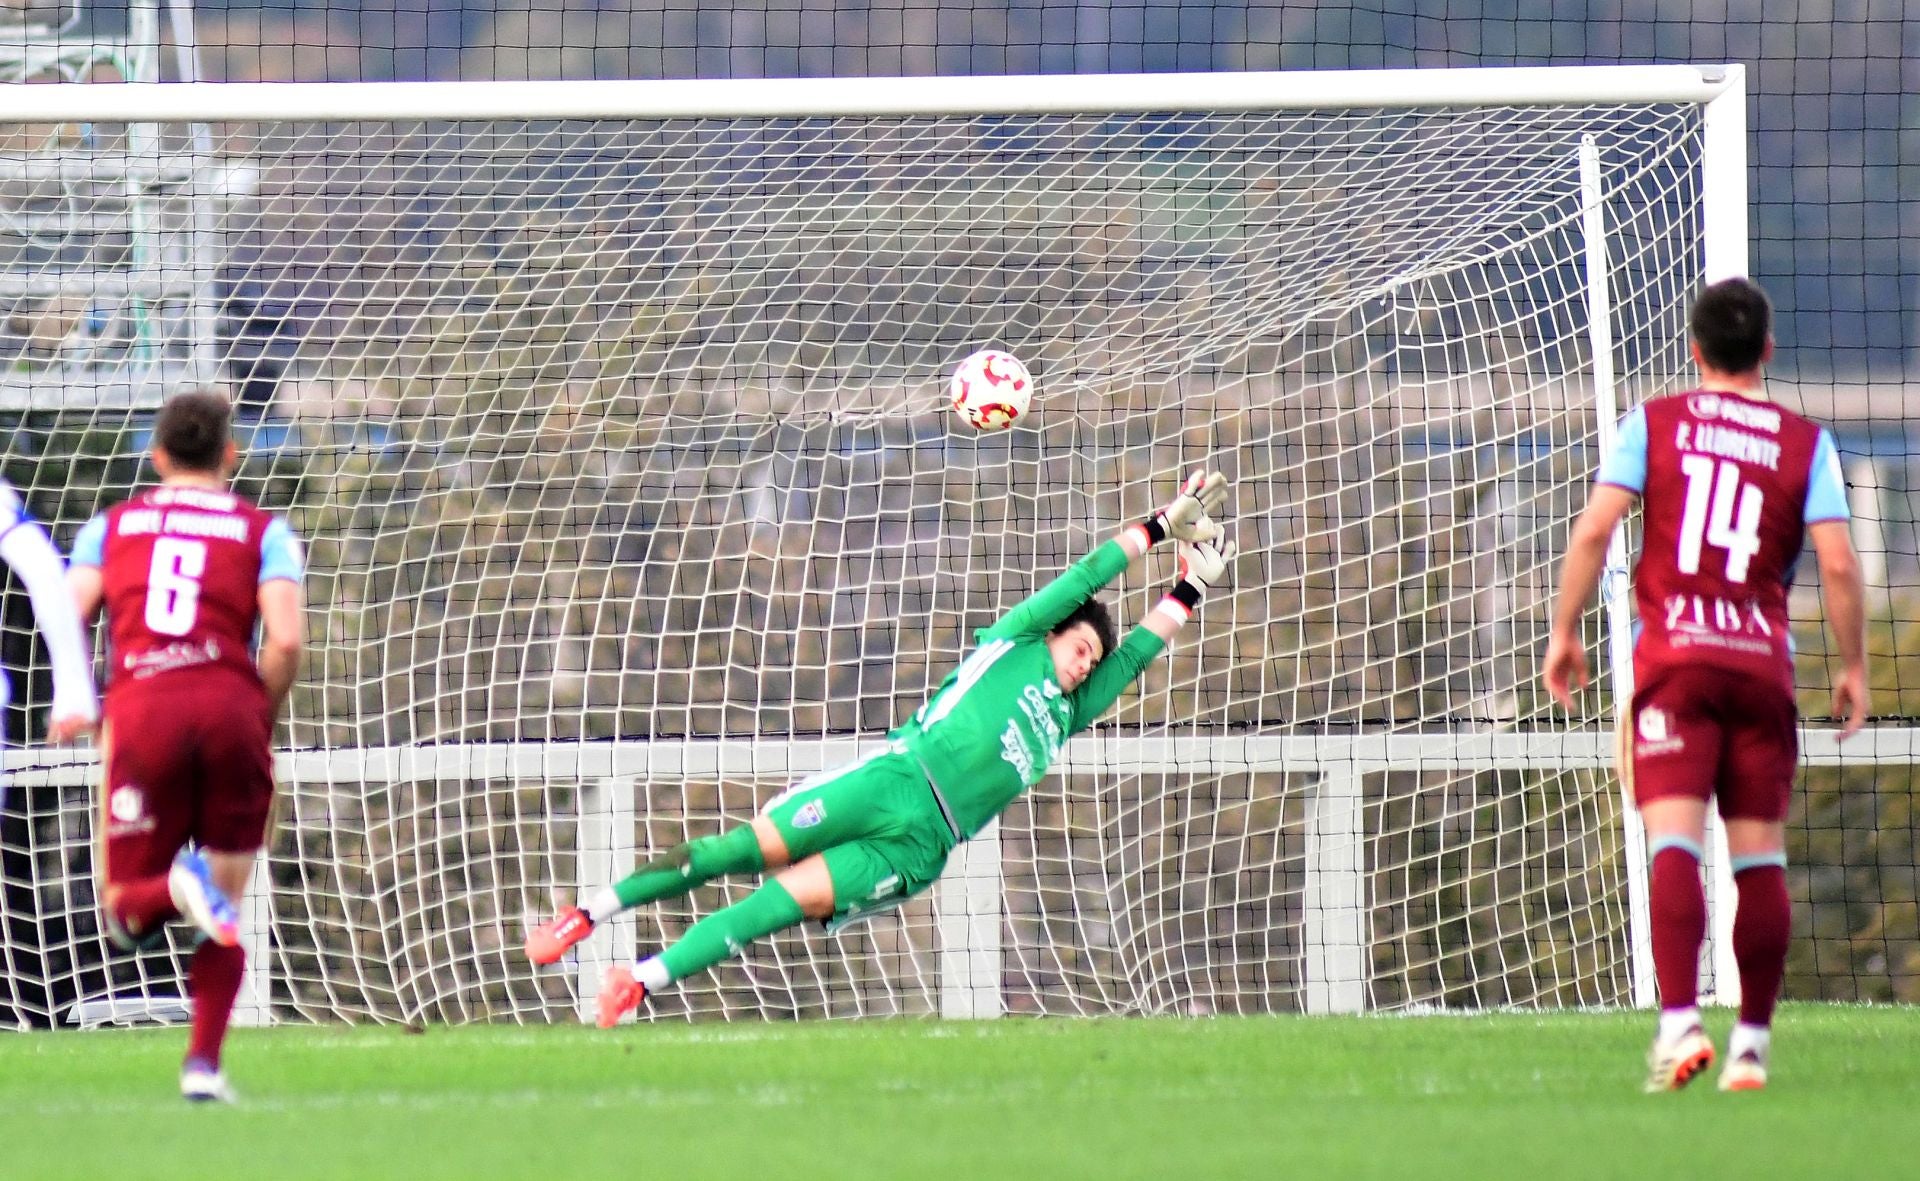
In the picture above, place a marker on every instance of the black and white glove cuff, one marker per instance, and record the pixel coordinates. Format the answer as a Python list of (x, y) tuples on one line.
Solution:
[(1179, 603), (1151, 531)]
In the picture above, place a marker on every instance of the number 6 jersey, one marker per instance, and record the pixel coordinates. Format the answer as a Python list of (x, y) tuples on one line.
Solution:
[(180, 572), (1728, 485)]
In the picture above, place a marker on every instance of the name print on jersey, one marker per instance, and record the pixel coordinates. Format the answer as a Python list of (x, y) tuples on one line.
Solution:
[(1707, 437), (178, 522)]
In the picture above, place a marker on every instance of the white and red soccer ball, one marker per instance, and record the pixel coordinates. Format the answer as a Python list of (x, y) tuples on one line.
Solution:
[(991, 389)]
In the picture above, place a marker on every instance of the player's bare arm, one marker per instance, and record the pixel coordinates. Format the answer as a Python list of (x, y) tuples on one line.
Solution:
[(84, 584), (1841, 584), (1564, 671), (281, 639)]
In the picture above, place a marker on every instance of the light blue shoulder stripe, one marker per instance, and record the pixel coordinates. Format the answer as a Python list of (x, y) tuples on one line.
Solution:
[(1826, 491), (280, 555), (1626, 464), (90, 545)]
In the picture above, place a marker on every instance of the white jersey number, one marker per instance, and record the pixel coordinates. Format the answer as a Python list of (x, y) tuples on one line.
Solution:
[(1719, 512), (173, 585)]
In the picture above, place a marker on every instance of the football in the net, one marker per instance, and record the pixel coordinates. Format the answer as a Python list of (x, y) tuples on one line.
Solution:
[(991, 389)]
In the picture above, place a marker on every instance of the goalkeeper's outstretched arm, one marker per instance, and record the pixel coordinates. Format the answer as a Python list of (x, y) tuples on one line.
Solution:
[(1203, 564), (1188, 517)]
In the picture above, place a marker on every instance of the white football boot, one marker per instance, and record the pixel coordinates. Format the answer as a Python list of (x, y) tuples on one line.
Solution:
[(1744, 1072), (200, 1085), (1672, 1064)]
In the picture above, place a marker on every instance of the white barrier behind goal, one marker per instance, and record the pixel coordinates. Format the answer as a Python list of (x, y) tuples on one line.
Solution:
[(611, 414)]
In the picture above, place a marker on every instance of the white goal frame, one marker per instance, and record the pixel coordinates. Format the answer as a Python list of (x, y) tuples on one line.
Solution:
[(968, 900), (211, 102)]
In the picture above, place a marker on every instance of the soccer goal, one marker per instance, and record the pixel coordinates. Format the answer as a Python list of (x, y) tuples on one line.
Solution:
[(611, 415)]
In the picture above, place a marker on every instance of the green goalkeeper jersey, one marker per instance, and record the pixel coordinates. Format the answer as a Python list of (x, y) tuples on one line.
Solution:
[(1000, 719)]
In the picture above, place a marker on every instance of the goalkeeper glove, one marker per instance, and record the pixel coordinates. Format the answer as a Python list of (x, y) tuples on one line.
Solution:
[(1202, 564), (1189, 515)]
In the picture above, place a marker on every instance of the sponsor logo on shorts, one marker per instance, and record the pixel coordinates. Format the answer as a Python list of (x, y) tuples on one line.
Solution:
[(1653, 724), (181, 654), (809, 814), (127, 809), (1655, 736)]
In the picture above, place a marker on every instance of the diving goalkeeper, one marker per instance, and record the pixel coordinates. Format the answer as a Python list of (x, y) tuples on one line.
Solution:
[(871, 834)]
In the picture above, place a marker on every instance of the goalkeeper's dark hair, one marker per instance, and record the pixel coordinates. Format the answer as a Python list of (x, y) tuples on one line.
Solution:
[(1094, 614), (1732, 321), (193, 429)]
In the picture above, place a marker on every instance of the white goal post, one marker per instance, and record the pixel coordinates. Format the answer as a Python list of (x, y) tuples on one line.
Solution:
[(610, 414)]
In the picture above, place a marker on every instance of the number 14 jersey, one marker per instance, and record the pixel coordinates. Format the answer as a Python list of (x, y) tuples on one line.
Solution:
[(180, 575), (1728, 485)]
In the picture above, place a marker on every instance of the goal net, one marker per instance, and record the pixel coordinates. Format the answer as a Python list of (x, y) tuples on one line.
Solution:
[(613, 424)]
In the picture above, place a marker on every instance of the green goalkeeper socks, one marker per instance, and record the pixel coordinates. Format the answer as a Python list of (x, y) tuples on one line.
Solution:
[(721, 934), (693, 864), (727, 932)]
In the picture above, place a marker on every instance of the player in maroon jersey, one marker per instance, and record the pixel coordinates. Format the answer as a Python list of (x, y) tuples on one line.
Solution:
[(186, 571), (1731, 485)]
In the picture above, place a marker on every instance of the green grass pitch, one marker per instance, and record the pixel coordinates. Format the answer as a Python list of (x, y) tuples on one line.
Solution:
[(1552, 1095)]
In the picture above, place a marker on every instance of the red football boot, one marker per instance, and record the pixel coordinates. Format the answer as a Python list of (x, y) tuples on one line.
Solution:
[(550, 941), (620, 994)]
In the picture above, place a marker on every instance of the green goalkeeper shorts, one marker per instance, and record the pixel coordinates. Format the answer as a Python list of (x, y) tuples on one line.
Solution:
[(876, 824)]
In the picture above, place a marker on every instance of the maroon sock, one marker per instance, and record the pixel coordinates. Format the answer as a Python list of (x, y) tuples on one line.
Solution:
[(1760, 929), (214, 980), (1678, 904), (142, 905)]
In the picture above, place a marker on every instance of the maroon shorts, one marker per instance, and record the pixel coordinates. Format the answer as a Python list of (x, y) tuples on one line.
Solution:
[(188, 756), (1706, 733)]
